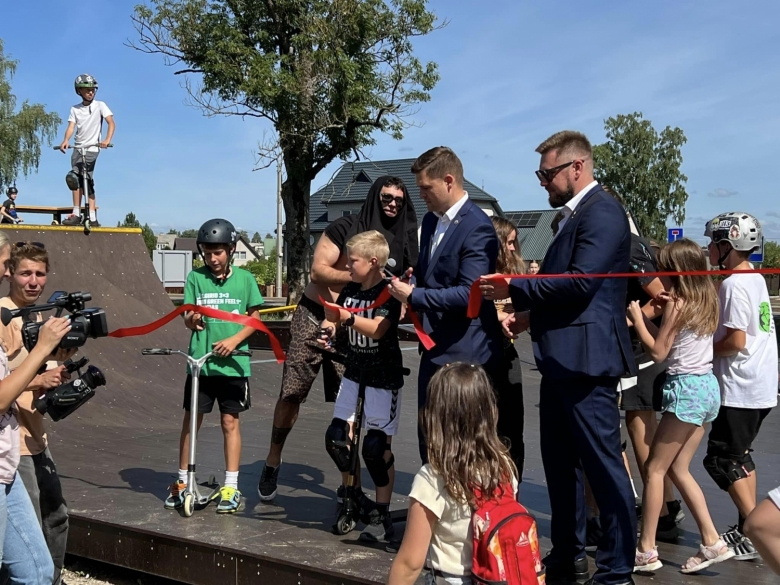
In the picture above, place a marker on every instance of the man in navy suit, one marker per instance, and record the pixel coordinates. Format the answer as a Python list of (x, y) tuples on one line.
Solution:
[(457, 244), (582, 347)]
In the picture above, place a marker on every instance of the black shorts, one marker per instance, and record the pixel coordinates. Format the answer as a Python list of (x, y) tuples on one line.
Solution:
[(734, 430), (645, 390), (231, 393)]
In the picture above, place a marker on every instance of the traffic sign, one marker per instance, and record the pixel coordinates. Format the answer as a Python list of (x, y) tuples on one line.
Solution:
[(675, 233), (757, 257)]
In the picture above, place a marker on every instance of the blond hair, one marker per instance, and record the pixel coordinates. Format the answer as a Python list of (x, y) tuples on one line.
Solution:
[(438, 162), (568, 142), (700, 309), (370, 244)]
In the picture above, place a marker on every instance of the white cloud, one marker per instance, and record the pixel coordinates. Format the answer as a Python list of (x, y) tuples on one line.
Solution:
[(721, 193)]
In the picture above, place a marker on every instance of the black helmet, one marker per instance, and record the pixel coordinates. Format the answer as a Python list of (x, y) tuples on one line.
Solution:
[(85, 80), (217, 231), (11, 190)]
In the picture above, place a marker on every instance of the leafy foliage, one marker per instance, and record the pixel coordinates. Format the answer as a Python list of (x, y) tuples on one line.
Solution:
[(325, 73), (643, 166), (771, 255), (191, 233), (256, 239), (263, 270), (21, 132)]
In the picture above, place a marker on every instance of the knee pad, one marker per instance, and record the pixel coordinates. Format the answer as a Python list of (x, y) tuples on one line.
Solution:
[(73, 181), (336, 441), (726, 472), (374, 447), (91, 183)]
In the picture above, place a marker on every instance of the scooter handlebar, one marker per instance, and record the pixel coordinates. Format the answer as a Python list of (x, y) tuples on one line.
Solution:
[(241, 352), (156, 351), (70, 146)]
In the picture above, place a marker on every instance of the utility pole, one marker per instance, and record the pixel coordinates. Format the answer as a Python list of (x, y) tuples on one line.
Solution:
[(279, 239)]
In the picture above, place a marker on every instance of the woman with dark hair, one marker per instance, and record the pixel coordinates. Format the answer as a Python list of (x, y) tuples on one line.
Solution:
[(509, 379)]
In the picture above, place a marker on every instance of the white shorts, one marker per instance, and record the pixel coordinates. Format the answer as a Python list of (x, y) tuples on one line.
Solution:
[(774, 495), (381, 410)]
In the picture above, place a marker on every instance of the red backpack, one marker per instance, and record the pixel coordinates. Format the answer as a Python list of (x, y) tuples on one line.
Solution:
[(506, 546)]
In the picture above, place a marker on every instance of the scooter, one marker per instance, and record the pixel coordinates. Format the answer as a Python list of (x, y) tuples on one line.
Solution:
[(192, 499), (84, 179)]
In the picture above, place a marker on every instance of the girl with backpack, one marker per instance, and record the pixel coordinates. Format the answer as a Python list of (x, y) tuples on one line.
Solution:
[(691, 399), (466, 459)]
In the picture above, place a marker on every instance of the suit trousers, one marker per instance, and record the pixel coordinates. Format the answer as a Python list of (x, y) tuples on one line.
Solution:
[(580, 431)]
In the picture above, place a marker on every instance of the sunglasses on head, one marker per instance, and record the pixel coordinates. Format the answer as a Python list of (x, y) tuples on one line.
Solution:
[(387, 199), (34, 244), (548, 175)]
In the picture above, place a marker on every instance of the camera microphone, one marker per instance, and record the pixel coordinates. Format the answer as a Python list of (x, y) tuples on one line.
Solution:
[(392, 264)]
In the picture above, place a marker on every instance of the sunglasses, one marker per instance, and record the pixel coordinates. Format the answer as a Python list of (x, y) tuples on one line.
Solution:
[(548, 175), (387, 199), (34, 244)]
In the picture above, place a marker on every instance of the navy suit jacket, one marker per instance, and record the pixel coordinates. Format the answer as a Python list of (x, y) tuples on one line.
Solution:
[(578, 325), (467, 250)]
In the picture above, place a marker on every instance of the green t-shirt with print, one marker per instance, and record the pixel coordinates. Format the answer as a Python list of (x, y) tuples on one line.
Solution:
[(236, 294)]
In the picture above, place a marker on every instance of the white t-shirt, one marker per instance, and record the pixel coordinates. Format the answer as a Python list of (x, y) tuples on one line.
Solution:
[(89, 122), (690, 354), (451, 543), (749, 378)]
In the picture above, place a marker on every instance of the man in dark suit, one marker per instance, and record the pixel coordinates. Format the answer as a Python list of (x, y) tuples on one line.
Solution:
[(457, 244), (582, 347)]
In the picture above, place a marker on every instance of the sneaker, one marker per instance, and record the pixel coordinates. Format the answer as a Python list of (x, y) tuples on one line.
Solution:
[(229, 500), (72, 220), (732, 536), (593, 534), (667, 529), (94, 224), (267, 486), (676, 511), (744, 550), (174, 500), (647, 562), (379, 528)]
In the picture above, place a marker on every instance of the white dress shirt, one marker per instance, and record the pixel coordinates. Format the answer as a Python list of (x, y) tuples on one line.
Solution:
[(569, 208), (445, 219)]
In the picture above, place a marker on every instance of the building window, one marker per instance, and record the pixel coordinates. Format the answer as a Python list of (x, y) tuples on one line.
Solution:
[(241, 255)]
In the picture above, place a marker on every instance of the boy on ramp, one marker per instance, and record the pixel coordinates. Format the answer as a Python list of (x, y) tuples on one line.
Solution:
[(224, 379)]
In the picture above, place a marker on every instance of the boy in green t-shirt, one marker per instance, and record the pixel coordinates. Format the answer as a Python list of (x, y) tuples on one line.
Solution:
[(224, 379)]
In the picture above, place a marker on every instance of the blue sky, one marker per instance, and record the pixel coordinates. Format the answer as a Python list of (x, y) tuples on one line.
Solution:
[(511, 76)]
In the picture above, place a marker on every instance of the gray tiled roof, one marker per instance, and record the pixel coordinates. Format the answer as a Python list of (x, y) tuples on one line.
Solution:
[(353, 180), (533, 231)]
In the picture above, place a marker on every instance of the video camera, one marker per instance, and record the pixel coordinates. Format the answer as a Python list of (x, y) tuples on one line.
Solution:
[(84, 322), (64, 399)]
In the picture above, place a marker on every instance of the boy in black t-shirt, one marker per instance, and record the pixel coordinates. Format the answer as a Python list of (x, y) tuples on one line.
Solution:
[(8, 210), (373, 348)]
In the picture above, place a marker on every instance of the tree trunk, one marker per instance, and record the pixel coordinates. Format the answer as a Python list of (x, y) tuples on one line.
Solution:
[(296, 191)]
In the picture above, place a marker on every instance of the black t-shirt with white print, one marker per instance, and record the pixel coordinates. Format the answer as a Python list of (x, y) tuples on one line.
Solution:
[(380, 357)]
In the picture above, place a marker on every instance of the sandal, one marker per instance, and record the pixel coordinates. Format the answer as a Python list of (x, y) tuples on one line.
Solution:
[(647, 562), (708, 555)]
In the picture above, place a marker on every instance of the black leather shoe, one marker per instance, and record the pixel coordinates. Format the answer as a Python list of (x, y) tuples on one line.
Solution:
[(558, 572)]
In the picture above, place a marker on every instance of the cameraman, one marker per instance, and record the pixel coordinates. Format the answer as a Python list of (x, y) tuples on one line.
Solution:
[(29, 265)]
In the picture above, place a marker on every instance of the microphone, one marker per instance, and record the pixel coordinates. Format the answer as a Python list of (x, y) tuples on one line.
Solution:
[(391, 263)]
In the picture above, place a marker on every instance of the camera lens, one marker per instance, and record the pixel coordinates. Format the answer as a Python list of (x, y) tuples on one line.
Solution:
[(93, 377)]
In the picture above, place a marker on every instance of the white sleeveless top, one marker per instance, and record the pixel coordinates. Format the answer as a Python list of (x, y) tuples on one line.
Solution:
[(690, 354), (9, 435)]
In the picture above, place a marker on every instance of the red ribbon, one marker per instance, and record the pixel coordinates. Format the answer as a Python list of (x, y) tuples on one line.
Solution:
[(475, 295), (245, 320), (383, 297)]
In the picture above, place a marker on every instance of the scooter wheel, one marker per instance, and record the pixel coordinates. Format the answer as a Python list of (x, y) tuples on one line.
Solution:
[(344, 524), (188, 506)]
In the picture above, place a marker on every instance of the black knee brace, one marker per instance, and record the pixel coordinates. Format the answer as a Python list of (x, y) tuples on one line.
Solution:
[(374, 447), (336, 441), (725, 471)]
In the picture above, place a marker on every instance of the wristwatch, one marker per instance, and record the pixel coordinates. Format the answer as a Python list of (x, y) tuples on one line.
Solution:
[(349, 322)]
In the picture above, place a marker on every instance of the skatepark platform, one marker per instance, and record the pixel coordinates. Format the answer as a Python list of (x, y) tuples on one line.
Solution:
[(118, 453)]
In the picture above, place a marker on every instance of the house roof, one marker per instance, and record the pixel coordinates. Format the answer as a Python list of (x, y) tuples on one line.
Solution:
[(190, 244), (534, 233), (352, 181)]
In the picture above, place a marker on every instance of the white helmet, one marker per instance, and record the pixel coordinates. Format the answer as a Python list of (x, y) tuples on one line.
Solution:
[(741, 230)]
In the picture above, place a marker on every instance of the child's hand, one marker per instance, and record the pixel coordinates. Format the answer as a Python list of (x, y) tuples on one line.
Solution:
[(635, 313), (194, 321), (663, 297), (64, 146), (327, 329), (336, 314), (104, 144), (225, 347)]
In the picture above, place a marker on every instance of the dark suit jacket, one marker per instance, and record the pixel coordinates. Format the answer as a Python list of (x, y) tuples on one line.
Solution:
[(578, 325), (467, 251)]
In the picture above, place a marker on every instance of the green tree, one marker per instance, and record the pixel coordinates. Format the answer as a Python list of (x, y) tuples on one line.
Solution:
[(771, 255), (21, 132), (131, 221), (189, 234), (325, 73), (268, 235), (173, 232), (256, 239), (643, 166)]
